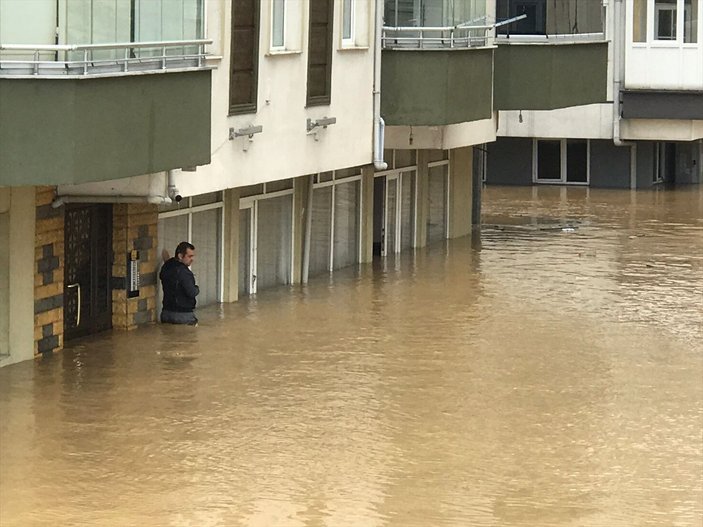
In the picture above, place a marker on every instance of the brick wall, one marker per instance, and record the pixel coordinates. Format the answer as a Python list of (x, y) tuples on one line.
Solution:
[(48, 273), (134, 228)]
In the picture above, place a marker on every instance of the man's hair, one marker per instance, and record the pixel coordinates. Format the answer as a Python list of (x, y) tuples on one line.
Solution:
[(183, 248)]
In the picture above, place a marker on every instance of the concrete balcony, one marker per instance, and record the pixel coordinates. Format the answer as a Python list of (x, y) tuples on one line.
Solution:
[(550, 75), (436, 87), (74, 114)]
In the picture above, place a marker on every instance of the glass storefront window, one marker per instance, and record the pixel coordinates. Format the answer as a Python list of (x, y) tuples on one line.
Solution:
[(274, 231), (321, 235), (346, 224)]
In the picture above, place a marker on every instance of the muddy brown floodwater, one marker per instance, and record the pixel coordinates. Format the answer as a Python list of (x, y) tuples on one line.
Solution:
[(549, 373)]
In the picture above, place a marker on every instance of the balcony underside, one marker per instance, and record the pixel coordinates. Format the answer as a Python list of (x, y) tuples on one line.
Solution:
[(95, 129), (550, 76), (436, 87), (657, 104)]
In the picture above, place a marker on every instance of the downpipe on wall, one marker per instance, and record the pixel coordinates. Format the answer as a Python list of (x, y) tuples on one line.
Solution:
[(379, 126), (154, 200)]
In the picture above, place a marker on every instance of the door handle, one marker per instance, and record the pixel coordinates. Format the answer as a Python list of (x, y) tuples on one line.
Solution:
[(78, 311)]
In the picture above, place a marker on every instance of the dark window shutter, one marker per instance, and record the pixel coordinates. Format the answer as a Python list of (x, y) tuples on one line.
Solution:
[(320, 52), (244, 63)]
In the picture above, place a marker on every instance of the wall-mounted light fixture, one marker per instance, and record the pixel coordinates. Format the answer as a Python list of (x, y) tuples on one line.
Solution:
[(249, 132), (324, 122), (245, 132)]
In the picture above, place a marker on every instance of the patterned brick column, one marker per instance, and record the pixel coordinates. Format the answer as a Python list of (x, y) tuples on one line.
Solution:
[(48, 273), (135, 227)]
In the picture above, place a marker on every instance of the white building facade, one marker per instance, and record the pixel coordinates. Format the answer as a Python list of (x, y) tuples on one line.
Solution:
[(643, 128)]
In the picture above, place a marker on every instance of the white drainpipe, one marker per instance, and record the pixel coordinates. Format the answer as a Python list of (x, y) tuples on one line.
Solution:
[(62, 200), (171, 195), (378, 124)]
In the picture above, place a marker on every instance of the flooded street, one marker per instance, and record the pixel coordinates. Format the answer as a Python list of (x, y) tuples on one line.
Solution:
[(548, 374)]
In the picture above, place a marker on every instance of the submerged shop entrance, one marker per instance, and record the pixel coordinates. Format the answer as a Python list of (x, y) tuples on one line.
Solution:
[(198, 220), (394, 212), (336, 220), (265, 241), (87, 270)]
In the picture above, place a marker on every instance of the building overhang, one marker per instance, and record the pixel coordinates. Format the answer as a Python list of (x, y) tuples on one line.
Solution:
[(97, 128), (436, 87), (441, 137), (548, 76), (661, 130), (662, 104)]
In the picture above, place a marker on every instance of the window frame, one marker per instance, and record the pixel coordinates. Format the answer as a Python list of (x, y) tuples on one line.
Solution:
[(252, 202), (272, 46), (349, 41), (563, 163), (334, 182), (325, 99), (252, 105), (665, 7)]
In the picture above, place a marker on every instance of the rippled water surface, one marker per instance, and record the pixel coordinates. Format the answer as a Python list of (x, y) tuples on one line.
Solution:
[(548, 374)]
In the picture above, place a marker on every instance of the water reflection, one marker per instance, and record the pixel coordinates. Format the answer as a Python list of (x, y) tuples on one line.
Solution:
[(537, 376)]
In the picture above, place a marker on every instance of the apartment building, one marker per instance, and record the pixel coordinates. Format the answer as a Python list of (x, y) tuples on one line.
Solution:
[(113, 93), (252, 129), (604, 93), (437, 105)]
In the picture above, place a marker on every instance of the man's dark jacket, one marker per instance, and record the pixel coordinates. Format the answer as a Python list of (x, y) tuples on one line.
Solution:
[(178, 284)]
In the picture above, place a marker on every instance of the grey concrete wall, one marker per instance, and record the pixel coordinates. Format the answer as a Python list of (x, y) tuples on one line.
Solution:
[(509, 161), (610, 165)]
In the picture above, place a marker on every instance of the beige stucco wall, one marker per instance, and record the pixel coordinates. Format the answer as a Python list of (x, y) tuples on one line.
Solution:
[(19, 306), (231, 252), (460, 191), (284, 149)]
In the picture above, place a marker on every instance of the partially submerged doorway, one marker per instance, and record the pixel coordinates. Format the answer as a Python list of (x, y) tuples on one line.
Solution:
[(87, 269)]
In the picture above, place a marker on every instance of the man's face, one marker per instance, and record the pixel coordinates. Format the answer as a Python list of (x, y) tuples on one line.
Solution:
[(188, 257)]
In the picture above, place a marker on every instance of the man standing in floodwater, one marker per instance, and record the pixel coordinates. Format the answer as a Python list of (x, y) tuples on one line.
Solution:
[(178, 285)]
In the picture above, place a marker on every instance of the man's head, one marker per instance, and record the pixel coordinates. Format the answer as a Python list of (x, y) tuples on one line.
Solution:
[(185, 253)]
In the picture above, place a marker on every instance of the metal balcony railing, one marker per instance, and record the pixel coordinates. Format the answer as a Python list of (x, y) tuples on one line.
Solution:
[(434, 37), (461, 36), (546, 39), (82, 60)]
